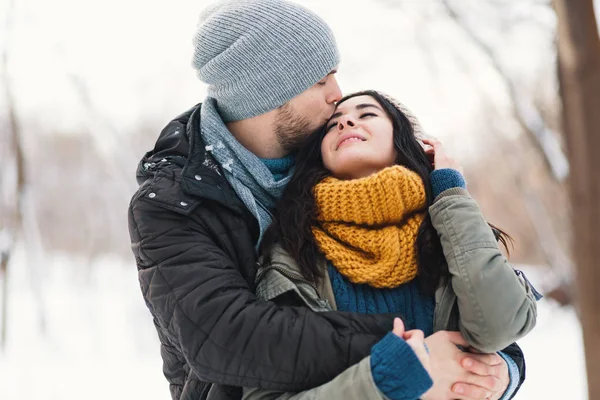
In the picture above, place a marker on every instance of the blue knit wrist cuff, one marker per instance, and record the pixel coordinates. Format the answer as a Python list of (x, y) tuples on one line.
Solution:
[(397, 371), (444, 179), (514, 375)]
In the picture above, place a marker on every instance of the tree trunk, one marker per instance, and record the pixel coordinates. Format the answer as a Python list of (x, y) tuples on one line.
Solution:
[(579, 75), (4, 258)]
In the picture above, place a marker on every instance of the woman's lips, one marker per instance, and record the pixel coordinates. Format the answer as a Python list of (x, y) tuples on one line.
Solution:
[(349, 139)]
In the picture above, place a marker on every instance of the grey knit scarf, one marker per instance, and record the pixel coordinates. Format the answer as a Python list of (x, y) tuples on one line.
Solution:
[(248, 175)]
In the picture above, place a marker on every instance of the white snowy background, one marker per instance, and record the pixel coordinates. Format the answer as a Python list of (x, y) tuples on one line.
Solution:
[(84, 331), (99, 341)]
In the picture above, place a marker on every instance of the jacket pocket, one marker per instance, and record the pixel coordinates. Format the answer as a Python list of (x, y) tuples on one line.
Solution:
[(166, 193)]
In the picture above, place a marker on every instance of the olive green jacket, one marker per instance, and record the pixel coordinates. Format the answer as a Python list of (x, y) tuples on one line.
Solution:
[(484, 299)]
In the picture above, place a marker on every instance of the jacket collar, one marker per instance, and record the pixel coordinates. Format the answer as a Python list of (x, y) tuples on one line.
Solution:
[(180, 144), (291, 273)]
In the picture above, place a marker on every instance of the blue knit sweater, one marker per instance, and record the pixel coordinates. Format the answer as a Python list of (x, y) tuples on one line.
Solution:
[(406, 300), (396, 370), (279, 167)]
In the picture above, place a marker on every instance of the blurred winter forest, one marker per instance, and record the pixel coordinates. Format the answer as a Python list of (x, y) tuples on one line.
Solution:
[(86, 86)]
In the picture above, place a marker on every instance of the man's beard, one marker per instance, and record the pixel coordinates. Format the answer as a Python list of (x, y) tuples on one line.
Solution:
[(292, 130)]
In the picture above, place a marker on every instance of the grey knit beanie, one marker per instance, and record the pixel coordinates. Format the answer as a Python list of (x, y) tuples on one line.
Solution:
[(255, 55)]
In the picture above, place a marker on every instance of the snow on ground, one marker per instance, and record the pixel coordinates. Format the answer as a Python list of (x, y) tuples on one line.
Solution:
[(555, 357), (553, 351), (100, 342)]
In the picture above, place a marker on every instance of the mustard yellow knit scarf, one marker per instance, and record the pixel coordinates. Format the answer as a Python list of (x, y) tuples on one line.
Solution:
[(368, 227)]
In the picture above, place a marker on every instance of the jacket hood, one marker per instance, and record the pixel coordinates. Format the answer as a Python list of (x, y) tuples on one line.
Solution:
[(172, 145)]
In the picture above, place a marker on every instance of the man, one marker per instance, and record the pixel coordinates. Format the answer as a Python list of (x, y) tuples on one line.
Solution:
[(204, 201)]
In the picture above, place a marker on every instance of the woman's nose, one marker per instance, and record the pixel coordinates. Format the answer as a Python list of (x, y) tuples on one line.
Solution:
[(345, 122)]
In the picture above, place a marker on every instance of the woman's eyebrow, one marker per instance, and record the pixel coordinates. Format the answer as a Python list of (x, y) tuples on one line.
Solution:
[(367, 105), (358, 107)]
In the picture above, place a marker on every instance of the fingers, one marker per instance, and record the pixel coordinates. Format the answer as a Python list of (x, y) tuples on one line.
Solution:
[(491, 383), (416, 340), (478, 367), (432, 142), (398, 327), (489, 359), (441, 160), (488, 372), (415, 336), (464, 391)]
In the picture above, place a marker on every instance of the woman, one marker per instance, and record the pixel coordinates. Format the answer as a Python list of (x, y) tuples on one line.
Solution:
[(368, 224)]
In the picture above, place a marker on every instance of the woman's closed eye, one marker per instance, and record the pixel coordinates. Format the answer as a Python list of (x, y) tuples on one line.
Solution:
[(334, 123), (331, 125), (368, 115)]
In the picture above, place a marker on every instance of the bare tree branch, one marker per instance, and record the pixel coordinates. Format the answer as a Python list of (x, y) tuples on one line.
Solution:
[(555, 253), (526, 114)]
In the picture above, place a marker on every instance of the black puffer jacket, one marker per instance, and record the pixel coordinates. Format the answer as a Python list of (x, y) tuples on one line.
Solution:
[(193, 240)]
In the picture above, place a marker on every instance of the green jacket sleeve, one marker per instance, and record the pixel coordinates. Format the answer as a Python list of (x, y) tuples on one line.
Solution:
[(496, 306), (356, 383)]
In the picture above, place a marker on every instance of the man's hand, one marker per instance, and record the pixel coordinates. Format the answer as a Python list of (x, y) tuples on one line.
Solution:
[(491, 373), (445, 368), (460, 375)]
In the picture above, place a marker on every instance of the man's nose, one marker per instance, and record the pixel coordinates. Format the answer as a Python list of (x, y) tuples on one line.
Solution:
[(335, 93)]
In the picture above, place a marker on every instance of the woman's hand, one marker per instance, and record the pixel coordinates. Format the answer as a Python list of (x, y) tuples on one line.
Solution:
[(437, 155)]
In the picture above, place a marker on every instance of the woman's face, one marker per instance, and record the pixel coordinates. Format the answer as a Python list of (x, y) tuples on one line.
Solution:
[(359, 139)]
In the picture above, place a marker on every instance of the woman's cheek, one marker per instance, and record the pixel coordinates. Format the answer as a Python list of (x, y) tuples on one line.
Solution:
[(327, 160)]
